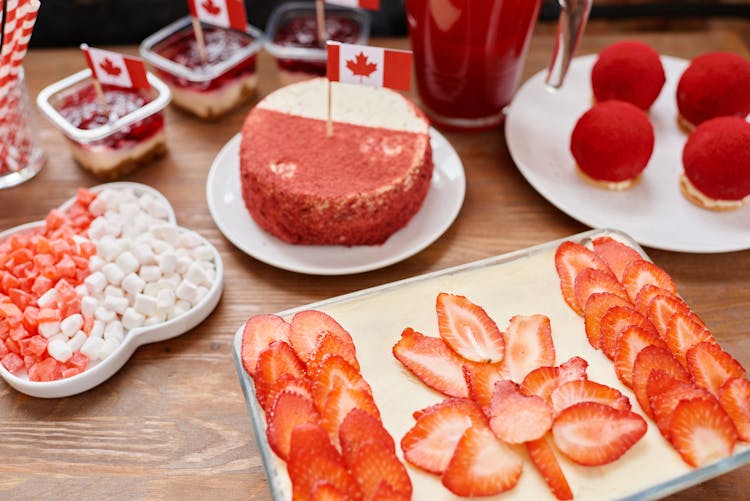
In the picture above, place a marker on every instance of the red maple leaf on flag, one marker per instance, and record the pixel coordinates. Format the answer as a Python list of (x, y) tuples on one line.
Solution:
[(110, 68), (360, 66), (211, 7)]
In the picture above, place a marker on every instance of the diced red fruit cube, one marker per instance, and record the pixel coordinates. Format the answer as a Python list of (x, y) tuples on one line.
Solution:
[(84, 197), (48, 369), (70, 372), (13, 362), (55, 219), (21, 298), (3, 349), (468, 329), (78, 361), (10, 311), (34, 345), (65, 290), (18, 332)]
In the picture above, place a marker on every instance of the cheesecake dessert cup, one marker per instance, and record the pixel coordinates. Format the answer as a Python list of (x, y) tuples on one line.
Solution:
[(108, 142), (212, 88), (293, 37)]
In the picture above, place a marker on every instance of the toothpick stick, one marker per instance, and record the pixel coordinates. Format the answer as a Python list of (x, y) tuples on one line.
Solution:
[(329, 123), (100, 95), (321, 17), (198, 29)]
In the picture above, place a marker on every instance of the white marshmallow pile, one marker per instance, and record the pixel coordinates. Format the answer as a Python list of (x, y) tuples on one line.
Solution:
[(145, 271)]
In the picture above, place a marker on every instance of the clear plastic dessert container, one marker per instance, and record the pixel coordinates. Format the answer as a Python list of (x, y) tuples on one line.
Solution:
[(108, 143), (212, 88), (293, 37)]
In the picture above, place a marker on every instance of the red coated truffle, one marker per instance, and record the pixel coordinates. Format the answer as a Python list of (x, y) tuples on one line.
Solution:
[(716, 159), (628, 71), (612, 142), (714, 85)]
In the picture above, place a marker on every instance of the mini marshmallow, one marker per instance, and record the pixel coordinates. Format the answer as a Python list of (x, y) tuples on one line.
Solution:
[(177, 311), (160, 246), (76, 342), (200, 293), (97, 206), (145, 237), (151, 289), (108, 347), (182, 252), (113, 290), (157, 209), (127, 262), (167, 232), (128, 211), (92, 346), (165, 299), (132, 319), (187, 290), (183, 263), (96, 282), (144, 200), (168, 262), (81, 290), (116, 304), (133, 284), (89, 304), (155, 320), (144, 254), (97, 330), (107, 247), (59, 350), (49, 299), (190, 239), (113, 273), (104, 314), (114, 330), (71, 324), (96, 263), (182, 304), (98, 228), (204, 253), (49, 329), (196, 274), (150, 273), (129, 232), (145, 305)]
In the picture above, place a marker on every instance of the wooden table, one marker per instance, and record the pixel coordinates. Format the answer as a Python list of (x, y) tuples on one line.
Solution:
[(173, 423)]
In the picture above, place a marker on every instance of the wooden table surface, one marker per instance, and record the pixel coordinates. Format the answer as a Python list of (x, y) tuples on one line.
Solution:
[(172, 423)]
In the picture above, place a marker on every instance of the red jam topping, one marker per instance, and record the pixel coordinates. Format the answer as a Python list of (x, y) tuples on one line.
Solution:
[(83, 110), (302, 32), (182, 48)]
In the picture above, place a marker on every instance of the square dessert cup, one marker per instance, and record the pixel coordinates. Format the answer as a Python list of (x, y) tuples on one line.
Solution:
[(108, 145), (209, 89), (293, 37)]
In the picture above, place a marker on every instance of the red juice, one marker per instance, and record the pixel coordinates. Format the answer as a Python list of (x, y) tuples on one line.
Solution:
[(468, 56)]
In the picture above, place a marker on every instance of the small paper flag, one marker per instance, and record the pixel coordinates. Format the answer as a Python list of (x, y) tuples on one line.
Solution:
[(373, 66), (113, 68), (222, 13)]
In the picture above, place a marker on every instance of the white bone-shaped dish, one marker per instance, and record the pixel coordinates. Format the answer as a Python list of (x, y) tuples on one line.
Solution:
[(102, 370)]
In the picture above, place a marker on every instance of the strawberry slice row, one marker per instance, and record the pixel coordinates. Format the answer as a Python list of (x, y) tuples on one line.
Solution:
[(660, 348), (504, 391), (321, 417)]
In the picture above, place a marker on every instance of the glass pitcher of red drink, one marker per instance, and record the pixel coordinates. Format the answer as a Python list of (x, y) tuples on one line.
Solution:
[(469, 54)]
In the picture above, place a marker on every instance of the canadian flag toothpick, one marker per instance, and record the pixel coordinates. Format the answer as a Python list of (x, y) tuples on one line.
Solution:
[(374, 66), (112, 68), (363, 4), (222, 13)]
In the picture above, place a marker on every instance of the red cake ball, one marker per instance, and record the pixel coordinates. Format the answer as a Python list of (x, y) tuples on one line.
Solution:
[(716, 159), (714, 85), (628, 71), (612, 144)]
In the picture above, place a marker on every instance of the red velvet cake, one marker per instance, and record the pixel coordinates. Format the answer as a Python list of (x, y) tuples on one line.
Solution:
[(628, 71), (716, 159), (356, 187), (714, 85), (612, 144)]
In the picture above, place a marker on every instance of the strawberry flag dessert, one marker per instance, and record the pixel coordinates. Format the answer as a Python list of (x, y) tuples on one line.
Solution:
[(363, 4), (223, 13), (373, 66), (112, 68)]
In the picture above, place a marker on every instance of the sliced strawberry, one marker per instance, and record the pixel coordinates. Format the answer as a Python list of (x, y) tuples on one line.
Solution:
[(710, 366), (596, 307), (359, 428), (482, 465), (702, 432), (336, 372), (277, 359), (574, 392), (289, 410), (616, 254), (593, 434), (528, 345), (573, 369), (331, 344), (468, 407), (480, 380), (516, 418), (432, 361), (654, 358), (468, 329), (571, 259), (259, 332), (307, 326), (683, 332), (630, 342), (313, 461), (323, 491), (373, 463), (664, 393), (430, 443), (660, 311), (340, 402), (614, 322), (289, 383), (592, 281), (734, 397), (647, 293), (543, 457), (642, 272), (543, 380), (385, 492)]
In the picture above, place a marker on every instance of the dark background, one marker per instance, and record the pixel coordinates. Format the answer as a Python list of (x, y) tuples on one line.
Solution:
[(115, 22)]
